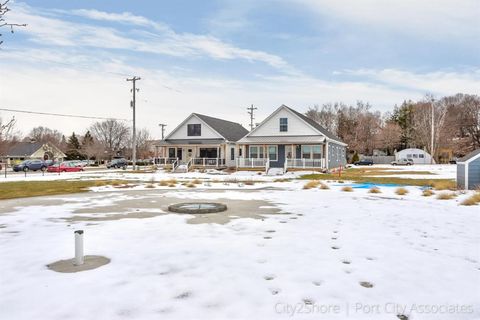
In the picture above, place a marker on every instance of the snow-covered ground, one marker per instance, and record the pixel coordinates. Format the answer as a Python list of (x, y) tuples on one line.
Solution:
[(420, 254)]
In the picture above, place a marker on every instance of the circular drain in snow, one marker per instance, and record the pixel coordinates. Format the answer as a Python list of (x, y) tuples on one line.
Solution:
[(197, 207)]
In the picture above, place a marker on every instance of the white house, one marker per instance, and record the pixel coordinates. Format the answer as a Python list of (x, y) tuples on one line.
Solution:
[(418, 156), (201, 141), (288, 139)]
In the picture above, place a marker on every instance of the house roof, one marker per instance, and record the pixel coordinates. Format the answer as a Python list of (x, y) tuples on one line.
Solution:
[(190, 141), (315, 124), (471, 156), (22, 149), (231, 131), (283, 139)]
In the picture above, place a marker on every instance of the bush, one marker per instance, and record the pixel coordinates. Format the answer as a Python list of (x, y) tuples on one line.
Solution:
[(428, 193), (190, 185), (446, 196), (249, 183), (444, 185), (347, 189), (374, 190), (472, 200), (172, 185), (401, 191), (323, 186), (311, 184), (163, 183), (196, 181), (355, 158), (150, 186)]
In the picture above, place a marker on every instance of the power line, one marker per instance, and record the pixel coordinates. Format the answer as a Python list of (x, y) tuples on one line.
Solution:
[(61, 114)]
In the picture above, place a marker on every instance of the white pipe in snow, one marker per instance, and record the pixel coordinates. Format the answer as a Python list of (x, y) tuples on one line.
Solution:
[(78, 247)]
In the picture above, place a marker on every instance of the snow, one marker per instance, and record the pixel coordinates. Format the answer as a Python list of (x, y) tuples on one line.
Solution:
[(414, 250)]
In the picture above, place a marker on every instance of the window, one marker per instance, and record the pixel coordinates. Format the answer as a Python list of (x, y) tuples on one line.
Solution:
[(232, 153), (306, 152), (409, 156), (415, 156), (194, 130), (421, 156), (317, 152), (171, 152), (256, 152), (272, 153), (283, 124), (240, 152)]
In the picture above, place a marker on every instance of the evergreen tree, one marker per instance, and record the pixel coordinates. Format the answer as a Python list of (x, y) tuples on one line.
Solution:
[(74, 148)]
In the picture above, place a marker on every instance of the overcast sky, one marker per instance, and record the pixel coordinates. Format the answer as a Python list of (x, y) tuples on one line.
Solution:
[(218, 57)]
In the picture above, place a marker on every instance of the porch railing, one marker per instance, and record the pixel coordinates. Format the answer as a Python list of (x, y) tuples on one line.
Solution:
[(304, 163), (252, 162), (208, 162), (164, 161)]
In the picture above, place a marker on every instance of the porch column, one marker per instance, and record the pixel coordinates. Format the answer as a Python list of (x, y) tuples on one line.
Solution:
[(326, 154)]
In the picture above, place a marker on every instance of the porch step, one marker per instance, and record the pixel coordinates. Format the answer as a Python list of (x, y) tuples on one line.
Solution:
[(181, 168), (275, 172)]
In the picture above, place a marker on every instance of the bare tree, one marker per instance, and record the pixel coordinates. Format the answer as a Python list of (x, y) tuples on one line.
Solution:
[(7, 135), (44, 135), (422, 123), (4, 9), (389, 137), (112, 134)]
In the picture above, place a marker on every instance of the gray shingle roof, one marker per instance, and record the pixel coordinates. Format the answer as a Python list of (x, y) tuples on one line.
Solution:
[(231, 131), (469, 156), (316, 125), (24, 148)]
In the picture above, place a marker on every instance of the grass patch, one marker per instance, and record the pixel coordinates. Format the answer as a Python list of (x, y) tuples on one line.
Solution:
[(401, 191), (24, 189), (374, 175), (428, 193), (347, 189), (446, 196), (311, 184), (282, 180), (196, 181), (163, 183), (249, 183), (472, 200), (374, 190)]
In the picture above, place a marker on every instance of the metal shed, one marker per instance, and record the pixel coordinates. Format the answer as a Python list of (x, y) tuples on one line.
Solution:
[(468, 171)]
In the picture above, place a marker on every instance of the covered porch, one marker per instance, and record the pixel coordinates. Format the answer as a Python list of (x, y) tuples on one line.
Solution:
[(192, 156), (287, 156)]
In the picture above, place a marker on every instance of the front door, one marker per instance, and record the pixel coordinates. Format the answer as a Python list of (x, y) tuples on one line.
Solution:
[(179, 153), (280, 157)]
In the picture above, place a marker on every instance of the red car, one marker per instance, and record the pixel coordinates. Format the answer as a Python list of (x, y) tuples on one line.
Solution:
[(64, 167)]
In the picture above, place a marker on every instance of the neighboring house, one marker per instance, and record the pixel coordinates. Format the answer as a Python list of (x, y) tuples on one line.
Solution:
[(418, 156), (468, 171), (33, 150), (288, 139), (201, 141)]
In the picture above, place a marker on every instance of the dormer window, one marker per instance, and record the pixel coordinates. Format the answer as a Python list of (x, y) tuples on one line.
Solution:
[(194, 130), (283, 124)]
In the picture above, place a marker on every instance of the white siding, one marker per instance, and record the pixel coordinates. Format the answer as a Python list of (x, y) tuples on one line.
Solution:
[(414, 154), (181, 132), (296, 126)]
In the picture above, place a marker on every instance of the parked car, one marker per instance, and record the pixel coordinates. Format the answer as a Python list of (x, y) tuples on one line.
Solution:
[(402, 162), (117, 164), (64, 167), (364, 163), (27, 165)]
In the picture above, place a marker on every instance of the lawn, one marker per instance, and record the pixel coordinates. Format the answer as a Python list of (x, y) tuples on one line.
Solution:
[(374, 175), (24, 189)]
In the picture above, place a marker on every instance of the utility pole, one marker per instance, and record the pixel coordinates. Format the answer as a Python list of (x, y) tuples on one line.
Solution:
[(252, 117), (134, 133), (433, 131), (163, 128)]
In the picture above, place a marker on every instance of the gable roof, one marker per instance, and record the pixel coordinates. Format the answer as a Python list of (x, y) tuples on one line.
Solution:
[(22, 149), (315, 124), (231, 131), (471, 156)]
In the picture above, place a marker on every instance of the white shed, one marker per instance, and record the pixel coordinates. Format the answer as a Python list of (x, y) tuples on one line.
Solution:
[(418, 156)]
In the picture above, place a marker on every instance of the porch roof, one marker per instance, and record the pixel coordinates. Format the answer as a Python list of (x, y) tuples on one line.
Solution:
[(173, 142), (282, 140)]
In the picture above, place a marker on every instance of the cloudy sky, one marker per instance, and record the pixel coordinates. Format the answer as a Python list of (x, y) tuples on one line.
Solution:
[(218, 57)]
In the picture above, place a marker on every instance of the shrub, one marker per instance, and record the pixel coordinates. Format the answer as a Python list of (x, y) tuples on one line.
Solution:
[(401, 191), (190, 185), (428, 193), (172, 185), (374, 190), (172, 181), (196, 181), (249, 183), (311, 184), (355, 157), (446, 196), (347, 189), (150, 186), (323, 186), (472, 200), (163, 183)]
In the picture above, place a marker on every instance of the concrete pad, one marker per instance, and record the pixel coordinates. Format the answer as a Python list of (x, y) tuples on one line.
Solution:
[(67, 266)]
